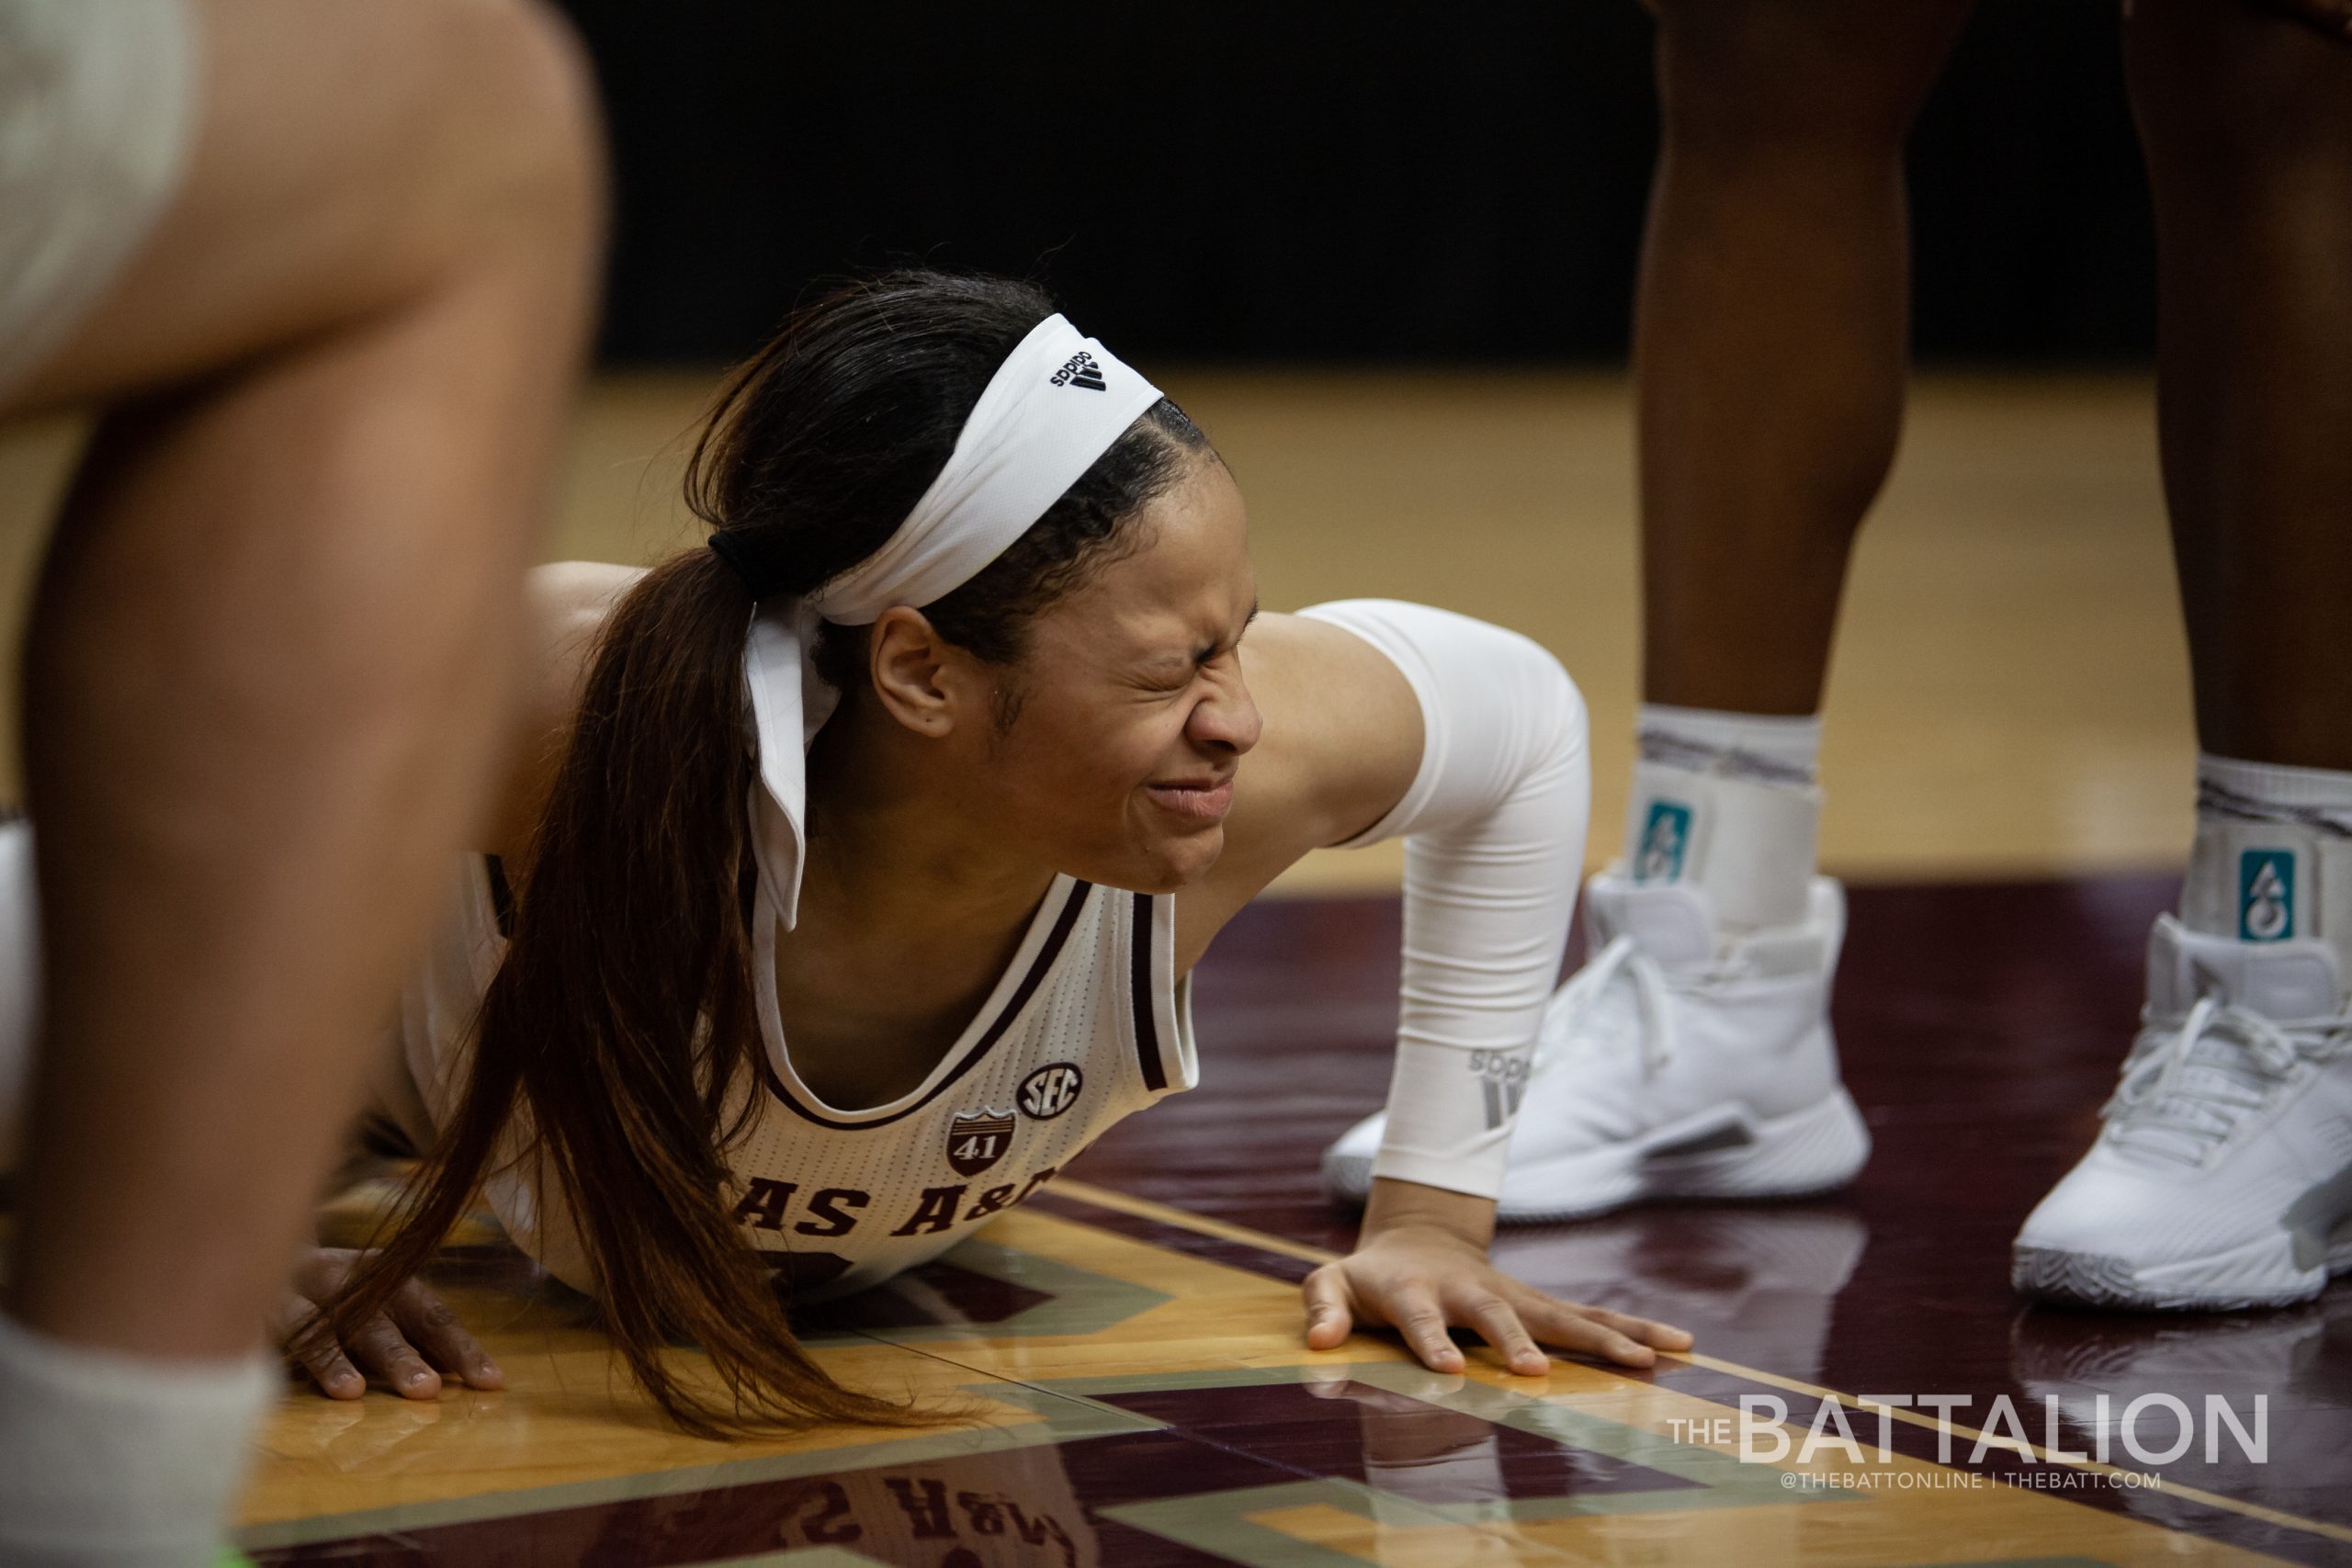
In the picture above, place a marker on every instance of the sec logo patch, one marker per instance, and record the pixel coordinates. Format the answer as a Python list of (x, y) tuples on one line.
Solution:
[(1051, 1090)]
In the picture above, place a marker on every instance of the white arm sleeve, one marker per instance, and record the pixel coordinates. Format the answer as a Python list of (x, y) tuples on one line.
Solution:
[(1493, 827)]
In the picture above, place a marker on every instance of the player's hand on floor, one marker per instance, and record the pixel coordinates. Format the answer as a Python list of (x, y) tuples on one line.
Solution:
[(408, 1346), (1425, 1280)]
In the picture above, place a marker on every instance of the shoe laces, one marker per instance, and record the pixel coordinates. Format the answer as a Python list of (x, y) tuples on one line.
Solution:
[(1580, 998), (2191, 1077)]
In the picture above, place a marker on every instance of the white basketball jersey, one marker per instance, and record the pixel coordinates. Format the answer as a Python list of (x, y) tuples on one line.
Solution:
[(1087, 1023)]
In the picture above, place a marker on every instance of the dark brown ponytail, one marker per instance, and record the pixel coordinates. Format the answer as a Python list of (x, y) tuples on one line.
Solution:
[(622, 1026)]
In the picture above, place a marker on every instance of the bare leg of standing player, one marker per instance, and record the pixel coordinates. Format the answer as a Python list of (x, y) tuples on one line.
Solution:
[(270, 645), (1770, 352), (2224, 1167), (1770, 357)]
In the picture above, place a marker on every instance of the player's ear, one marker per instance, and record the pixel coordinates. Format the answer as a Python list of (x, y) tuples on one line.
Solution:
[(922, 679)]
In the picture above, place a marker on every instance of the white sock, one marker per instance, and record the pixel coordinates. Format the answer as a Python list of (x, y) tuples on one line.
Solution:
[(2272, 861), (109, 1458), (1768, 748), (1727, 801)]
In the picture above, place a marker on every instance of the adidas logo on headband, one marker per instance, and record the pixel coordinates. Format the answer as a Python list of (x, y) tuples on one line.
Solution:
[(1080, 371)]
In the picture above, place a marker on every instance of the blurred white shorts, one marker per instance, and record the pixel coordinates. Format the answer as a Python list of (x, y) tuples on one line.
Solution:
[(97, 112), (19, 978)]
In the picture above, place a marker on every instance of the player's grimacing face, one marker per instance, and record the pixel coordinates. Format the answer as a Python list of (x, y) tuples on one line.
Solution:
[(1132, 715)]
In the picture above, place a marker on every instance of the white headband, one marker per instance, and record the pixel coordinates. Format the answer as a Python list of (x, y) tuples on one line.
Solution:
[(1054, 406)]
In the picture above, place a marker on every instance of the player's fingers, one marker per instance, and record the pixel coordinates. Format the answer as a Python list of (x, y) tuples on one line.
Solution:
[(332, 1371), (379, 1345), (1663, 1336), (1328, 1321), (1498, 1320), (433, 1328), (1557, 1323), (322, 1358), (1415, 1313), (1640, 1330)]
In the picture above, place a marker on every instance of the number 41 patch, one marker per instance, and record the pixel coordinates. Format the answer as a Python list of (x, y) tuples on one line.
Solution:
[(978, 1139)]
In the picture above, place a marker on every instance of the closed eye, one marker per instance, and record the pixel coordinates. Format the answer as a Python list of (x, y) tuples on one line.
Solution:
[(1173, 672), (1211, 652)]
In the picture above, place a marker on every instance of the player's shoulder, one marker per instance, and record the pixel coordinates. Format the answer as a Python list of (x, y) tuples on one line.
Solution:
[(1339, 746), (1342, 737)]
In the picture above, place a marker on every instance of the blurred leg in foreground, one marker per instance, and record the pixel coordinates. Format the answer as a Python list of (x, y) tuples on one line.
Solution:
[(271, 641)]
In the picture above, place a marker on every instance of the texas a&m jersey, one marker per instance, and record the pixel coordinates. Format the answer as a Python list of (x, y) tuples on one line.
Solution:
[(1088, 1022)]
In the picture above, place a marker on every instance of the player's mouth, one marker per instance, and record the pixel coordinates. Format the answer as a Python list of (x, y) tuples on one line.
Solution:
[(1205, 799)]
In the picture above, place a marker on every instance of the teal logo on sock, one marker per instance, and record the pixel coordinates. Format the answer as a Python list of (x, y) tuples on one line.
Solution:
[(1665, 835), (2265, 896)]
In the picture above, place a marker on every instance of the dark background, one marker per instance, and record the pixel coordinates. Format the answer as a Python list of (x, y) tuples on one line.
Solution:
[(1255, 180)]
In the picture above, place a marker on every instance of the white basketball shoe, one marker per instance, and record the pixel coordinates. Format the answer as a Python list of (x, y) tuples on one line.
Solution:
[(2223, 1177), (1673, 1065)]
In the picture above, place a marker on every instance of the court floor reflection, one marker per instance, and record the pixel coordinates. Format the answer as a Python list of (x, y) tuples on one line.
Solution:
[(1754, 1284), (2283, 1377)]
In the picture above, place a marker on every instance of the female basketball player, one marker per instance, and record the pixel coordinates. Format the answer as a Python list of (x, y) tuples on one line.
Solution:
[(800, 991)]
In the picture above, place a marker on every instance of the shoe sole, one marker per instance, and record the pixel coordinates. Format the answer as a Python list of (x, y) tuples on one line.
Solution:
[(1718, 1155), (2260, 1273)]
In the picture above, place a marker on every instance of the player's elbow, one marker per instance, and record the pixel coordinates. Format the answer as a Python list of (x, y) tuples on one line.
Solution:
[(1547, 697)]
